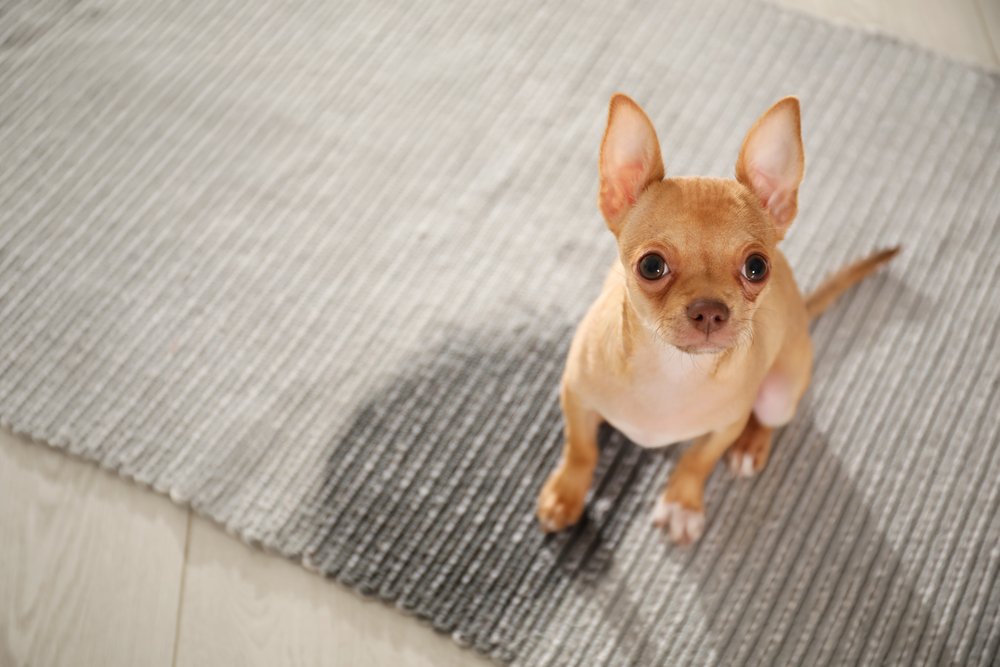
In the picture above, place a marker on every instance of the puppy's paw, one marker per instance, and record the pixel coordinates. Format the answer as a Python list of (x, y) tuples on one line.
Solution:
[(561, 502), (748, 455), (742, 464), (685, 525)]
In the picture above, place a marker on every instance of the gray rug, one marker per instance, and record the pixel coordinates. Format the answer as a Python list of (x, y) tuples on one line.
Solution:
[(313, 267)]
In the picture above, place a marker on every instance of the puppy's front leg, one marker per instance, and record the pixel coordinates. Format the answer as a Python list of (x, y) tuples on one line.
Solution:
[(560, 504), (682, 507)]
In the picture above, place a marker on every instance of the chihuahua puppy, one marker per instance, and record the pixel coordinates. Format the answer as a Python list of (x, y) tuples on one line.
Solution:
[(700, 330)]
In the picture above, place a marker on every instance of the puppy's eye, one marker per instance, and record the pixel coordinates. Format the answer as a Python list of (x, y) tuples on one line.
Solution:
[(652, 267), (755, 268)]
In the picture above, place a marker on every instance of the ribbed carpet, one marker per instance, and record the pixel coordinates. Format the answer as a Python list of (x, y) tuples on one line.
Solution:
[(312, 267)]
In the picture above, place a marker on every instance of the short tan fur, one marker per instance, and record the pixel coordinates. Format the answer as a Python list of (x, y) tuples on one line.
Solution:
[(700, 331)]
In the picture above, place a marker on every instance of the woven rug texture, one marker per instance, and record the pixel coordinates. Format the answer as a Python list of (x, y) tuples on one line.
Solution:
[(313, 267)]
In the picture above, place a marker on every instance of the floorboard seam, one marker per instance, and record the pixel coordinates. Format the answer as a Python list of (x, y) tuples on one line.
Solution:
[(180, 597)]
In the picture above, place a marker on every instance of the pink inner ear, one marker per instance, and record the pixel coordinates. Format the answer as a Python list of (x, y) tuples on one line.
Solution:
[(764, 185), (775, 195), (629, 180), (621, 190), (771, 161), (630, 158), (780, 206)]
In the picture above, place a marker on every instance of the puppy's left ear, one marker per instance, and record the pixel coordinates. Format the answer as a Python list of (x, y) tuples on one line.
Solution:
[(630, 159), (772, 162)]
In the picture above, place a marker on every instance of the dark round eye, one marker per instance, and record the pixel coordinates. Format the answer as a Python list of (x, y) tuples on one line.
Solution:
[(755, 269), (652, 267)]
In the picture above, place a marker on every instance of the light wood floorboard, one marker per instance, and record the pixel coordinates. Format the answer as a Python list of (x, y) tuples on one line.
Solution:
[(96, 571), (90, 566), (245, 607), (967, 30), (991, 17)]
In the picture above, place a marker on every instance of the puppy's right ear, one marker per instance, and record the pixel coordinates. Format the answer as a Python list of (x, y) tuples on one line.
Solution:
[(630, 159)]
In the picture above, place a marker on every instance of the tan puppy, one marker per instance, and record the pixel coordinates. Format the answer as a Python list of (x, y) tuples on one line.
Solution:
[(700, 331)]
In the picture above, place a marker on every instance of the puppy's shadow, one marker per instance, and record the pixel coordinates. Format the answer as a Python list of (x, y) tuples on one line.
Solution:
[(585, 552), (427, 497)]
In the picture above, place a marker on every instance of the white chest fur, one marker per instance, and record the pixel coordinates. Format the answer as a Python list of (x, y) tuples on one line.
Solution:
[(667, 396)]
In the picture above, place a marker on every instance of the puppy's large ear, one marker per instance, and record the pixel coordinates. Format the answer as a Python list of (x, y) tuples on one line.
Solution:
[(630, 159), (772, 162)]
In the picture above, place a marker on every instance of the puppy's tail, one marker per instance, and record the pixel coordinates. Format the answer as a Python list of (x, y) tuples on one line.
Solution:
[(839, 282)]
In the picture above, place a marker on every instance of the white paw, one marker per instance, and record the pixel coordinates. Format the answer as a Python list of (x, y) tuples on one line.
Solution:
[(741, 464), (553, 517), (685, 525)]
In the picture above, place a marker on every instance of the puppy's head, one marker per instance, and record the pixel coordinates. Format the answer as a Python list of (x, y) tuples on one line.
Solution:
[(697, 251)]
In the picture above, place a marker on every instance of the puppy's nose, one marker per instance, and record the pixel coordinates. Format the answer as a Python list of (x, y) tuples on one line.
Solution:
[(708, 316)]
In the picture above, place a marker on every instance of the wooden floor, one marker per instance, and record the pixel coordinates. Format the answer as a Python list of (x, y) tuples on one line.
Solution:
[(94, 571), (967, 30)]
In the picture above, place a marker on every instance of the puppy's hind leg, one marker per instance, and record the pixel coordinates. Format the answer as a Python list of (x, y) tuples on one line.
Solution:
[(777, 399), (748, 455), (561, 501)]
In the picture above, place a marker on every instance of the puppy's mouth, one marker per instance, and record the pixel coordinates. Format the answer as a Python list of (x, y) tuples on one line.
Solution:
[(704, 347), (695, 341)]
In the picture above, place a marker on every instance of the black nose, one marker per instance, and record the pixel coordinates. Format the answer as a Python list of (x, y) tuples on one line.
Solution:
[(708, 316)]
